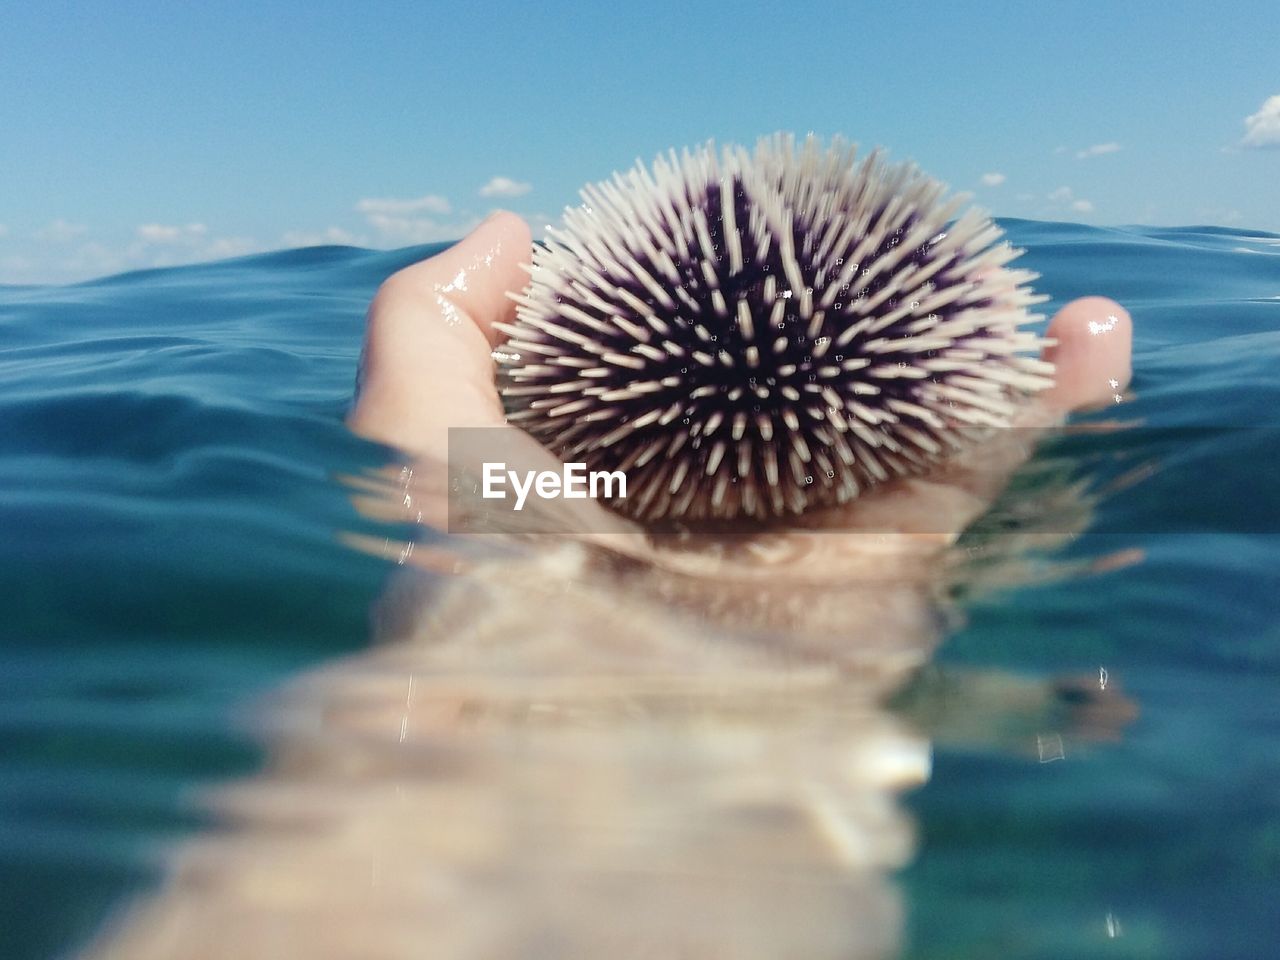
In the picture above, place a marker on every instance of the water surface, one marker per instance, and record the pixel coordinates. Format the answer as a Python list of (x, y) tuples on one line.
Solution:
[(170, 516)]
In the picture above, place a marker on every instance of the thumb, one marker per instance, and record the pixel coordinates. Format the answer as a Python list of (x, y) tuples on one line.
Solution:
[(1092, 354), (426, 362)]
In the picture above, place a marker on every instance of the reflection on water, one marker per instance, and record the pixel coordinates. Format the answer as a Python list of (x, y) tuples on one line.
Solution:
[(566, 773), (580, 751)]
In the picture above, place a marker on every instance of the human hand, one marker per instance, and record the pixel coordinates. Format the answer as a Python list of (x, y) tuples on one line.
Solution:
[(427, 367)]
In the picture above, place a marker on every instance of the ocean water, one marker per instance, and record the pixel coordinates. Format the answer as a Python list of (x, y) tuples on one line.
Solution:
[(171, 512)]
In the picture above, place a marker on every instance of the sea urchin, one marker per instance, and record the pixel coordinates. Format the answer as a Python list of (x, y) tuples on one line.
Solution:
[(758, 333)]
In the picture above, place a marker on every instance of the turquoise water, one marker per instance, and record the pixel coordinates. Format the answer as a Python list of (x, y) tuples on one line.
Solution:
[(169, 457)]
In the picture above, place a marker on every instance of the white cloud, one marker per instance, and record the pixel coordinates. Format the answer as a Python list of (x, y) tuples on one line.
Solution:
[(167, 245), (505, 187), (170, 245), (319, 238), (401, 222), (222, 247), (150, 245), (160, 233), (60, 231), (1064, 198), (391, 206), (1262, 129), (411, 230), (993, 179), (1097, 150)]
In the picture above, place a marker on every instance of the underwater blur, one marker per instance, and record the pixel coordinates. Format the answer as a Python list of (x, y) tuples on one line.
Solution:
[(208, 744)]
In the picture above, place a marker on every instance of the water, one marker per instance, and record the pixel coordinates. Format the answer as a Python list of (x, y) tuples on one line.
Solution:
[(171, 512)]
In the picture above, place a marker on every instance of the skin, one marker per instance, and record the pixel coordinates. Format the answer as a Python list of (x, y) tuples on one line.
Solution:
[(426, 367), (874, 563), (610, 745), (427, 364)]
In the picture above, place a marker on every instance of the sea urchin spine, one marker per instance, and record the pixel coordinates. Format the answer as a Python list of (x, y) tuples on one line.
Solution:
[(758, 333)]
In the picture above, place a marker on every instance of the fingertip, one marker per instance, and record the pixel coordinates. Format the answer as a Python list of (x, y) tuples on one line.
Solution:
[(510, 224), (476, 275), (497, 251), (426, 361), (1092, 353)]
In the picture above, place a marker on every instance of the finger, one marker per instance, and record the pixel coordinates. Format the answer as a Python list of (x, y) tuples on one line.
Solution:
[(1092, 354), (1093, 340), (426, 364), (473, 276)]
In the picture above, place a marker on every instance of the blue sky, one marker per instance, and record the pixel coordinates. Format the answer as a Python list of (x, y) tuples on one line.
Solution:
[(134, 134)]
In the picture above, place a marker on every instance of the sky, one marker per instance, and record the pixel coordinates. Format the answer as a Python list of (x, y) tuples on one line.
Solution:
[(138, 134)]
